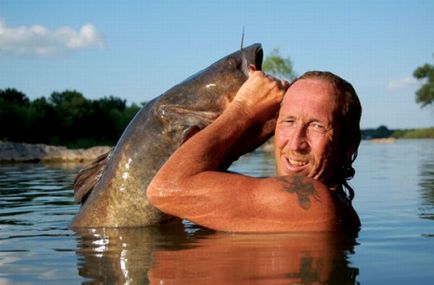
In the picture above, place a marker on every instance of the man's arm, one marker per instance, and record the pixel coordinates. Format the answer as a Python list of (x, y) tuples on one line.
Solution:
[(190, 185)]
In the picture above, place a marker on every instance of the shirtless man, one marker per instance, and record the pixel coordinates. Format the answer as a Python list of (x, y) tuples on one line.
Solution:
[(317, 135)]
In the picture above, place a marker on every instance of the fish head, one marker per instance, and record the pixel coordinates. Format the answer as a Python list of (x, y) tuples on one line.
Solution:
[(221, 80), (252, 56), (201, 98), (232, 71)]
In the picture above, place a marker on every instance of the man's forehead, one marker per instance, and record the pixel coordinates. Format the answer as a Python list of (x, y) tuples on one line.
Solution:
[(312, 83), (309, 97), (310, 89)]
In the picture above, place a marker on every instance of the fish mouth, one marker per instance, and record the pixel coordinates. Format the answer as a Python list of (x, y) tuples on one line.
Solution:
[(259, 55), (251, 56)]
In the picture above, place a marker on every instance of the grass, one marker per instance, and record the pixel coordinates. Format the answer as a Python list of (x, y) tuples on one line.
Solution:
[(425, 133)]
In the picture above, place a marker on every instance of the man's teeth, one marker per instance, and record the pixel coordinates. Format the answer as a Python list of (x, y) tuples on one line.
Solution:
[(297, 162)]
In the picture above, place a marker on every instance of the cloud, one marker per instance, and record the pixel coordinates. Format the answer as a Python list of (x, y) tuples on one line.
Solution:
[(37, 40), (402, 83)]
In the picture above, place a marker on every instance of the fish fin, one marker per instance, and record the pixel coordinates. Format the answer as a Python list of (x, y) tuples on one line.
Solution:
[(168, 112), (191, 121), (86, 179), (189, 132), (242, 40)]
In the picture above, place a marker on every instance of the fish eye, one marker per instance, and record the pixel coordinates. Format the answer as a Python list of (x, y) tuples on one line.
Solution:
[(232, 62)]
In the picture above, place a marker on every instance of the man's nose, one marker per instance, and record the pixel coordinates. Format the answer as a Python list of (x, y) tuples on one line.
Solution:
[(298, 140)]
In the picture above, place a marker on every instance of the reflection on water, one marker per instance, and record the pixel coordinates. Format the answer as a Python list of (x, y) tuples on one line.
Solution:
[(177, 255), (36, 205), (395, 244), (255, 259), (394, 197), (427, 186), (124, 255)]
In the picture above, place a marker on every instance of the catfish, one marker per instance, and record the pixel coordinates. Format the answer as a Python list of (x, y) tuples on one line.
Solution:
[(112, 189)]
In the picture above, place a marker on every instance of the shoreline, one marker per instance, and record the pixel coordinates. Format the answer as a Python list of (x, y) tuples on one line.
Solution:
[(13, 152)]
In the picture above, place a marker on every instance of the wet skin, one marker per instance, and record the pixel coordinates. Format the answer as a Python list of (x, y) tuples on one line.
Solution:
[(191, 185), (305, 132), (113, 189)]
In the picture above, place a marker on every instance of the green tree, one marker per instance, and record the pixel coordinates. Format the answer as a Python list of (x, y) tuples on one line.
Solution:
[(275, 65), (105, 120), (65, 118), (425, 95), (71, 109), (13, 96), (14, 121), (43, 122)]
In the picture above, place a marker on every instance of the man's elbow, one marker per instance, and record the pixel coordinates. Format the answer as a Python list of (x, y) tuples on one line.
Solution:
[(160, 196), (154, 194)]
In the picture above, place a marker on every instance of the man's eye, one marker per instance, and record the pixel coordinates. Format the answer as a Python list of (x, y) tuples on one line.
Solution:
[(318, 127), (289, 122)]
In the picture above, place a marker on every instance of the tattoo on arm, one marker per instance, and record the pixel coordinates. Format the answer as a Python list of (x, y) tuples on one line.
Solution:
[(300, 186)]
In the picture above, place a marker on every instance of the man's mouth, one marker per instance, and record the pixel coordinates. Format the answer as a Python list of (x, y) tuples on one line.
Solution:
[(298, 163), (295, 165)]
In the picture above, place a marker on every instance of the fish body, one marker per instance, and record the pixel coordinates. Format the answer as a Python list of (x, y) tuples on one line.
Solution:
[(113, 189)]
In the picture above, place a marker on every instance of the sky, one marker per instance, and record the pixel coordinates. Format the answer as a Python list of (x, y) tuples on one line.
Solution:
[(136, 50)]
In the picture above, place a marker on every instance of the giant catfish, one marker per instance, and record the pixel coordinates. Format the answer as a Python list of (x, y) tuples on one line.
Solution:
[(112, 190)]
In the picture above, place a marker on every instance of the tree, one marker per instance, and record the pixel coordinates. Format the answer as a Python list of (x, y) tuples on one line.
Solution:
[(14, 121), (105, 120), (425, 95), (275, 65), (13, 96), (71, 109), (42, 122)]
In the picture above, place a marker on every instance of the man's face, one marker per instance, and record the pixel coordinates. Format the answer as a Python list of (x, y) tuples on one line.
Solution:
[(305, 133)]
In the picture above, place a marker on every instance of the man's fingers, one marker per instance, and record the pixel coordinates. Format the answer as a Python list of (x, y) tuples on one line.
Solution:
[(281, 83), (284, 84)]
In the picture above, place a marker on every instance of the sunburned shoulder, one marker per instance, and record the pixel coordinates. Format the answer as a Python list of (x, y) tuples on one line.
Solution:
[(323, 208), (238, 203), (298, 203)]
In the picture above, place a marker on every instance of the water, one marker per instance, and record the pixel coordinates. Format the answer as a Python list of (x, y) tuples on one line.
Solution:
[(394, 198)]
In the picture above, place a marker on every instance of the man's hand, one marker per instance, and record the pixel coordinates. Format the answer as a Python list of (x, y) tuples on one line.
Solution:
[(260, 96)]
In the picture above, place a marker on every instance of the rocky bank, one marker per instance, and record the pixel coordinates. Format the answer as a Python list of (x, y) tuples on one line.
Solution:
[(25, 152)]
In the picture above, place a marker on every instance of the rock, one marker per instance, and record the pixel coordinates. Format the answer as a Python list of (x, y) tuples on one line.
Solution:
[(383, 140), (22, 152)]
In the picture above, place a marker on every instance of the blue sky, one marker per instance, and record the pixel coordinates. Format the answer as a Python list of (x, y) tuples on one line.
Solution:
[(136, 50)]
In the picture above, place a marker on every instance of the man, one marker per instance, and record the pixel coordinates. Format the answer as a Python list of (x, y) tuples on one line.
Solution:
[(316, 140)]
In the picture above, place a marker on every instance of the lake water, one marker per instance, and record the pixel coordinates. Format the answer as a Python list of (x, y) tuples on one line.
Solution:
[(394, 198)]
